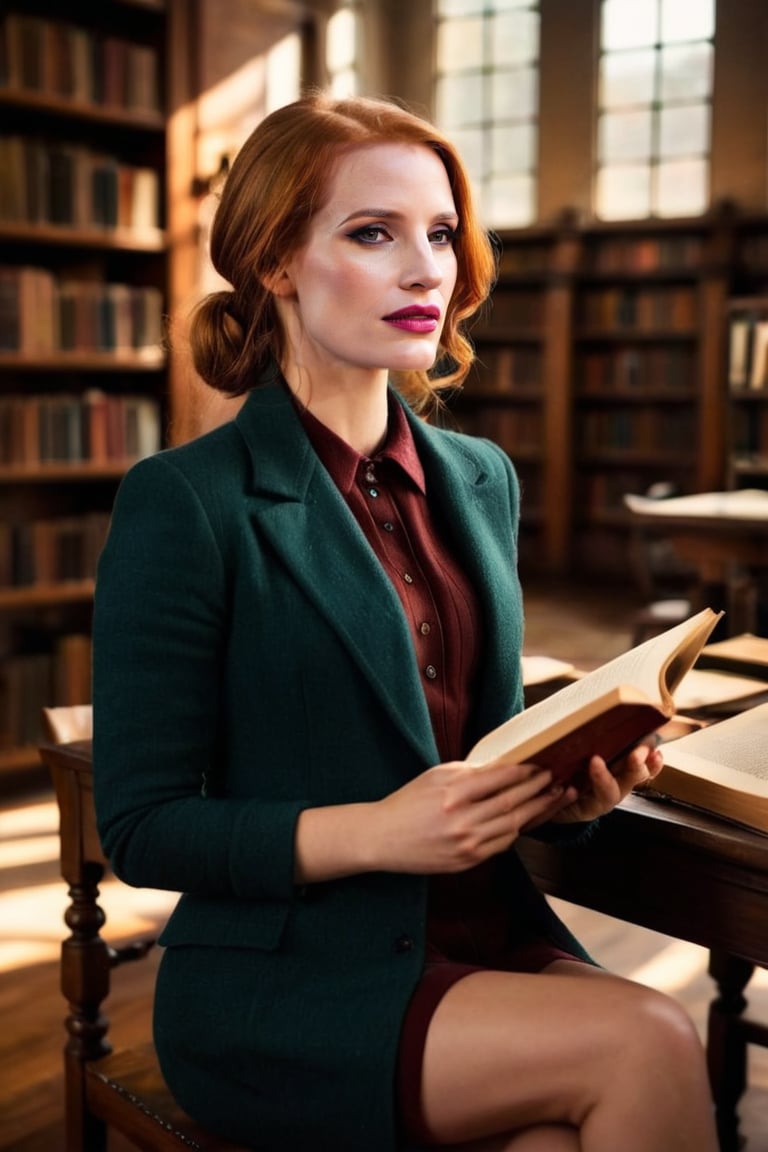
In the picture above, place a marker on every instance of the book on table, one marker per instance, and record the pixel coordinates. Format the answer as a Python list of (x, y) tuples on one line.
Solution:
[(721, 769), (603, 712)]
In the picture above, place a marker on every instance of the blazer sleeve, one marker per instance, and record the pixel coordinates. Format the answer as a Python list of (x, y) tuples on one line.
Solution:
[(159, 635)]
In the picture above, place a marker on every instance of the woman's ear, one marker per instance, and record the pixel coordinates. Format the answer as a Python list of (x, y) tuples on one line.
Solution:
[(279, 282)]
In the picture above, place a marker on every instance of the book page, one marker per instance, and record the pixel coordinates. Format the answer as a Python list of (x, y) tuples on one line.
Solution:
[(730, 753), (652, 671), (744, 647), (738, 504), (701, 688)]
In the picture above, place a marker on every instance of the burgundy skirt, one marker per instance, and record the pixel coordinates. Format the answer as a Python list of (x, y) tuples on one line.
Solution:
[(468, 931)]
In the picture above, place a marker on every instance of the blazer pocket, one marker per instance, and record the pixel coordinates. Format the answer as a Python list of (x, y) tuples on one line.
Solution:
[(208, 922)]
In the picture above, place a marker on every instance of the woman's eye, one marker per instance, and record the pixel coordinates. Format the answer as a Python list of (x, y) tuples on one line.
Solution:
[(445, 236), (369, 234)]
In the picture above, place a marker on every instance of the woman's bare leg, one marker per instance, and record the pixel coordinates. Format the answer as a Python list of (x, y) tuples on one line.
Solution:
[(573, 1047), (542, 1138)]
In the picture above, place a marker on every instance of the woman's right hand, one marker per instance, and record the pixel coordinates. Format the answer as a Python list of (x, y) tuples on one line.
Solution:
[(455, 815)]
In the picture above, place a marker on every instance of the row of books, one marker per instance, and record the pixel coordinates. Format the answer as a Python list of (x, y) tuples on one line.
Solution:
[(671, 368), (95, 427), (636, 430), (41, 314), (57, 674), (645, 253), (749, 434), (507, 370), (515, 429), (55, 182), (748, 351), (513, 308), (51, 551), (75, 63), (665, 308)]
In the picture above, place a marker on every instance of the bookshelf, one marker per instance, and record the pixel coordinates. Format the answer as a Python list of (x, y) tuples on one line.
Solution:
[(83, 294), (600, 372), (518, 392), (746, 370), (636, 352)]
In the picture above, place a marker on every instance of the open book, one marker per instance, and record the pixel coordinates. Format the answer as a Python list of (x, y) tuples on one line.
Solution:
[(606, 711), (744, 655), (721, 768)]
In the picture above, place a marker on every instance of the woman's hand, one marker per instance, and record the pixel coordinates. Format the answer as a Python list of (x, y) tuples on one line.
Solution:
[(607, 787), (455, 815)]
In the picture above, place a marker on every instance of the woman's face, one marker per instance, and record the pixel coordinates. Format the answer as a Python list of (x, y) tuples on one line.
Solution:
[(370, 286)]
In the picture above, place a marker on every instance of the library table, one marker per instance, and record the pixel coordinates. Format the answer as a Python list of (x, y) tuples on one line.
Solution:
[(723, 536), (676, 871)]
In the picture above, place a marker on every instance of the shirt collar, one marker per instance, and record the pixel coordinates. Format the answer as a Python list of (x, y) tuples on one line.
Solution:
[(343, 462)]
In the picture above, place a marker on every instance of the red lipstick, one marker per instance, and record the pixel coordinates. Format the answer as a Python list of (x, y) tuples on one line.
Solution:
[(415, 318)]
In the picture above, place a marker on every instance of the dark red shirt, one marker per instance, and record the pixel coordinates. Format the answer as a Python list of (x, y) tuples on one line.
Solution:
[(388, 498)]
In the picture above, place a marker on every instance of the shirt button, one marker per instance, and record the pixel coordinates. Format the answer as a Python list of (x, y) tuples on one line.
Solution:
[(373, 492), (408, 578), (430, 672), (370, 475), (425, 629), (405, 944), (388, 526)]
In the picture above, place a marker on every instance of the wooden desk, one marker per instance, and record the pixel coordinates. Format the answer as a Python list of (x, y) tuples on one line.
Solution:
[(729, 553), (682, 874), (650, 863)]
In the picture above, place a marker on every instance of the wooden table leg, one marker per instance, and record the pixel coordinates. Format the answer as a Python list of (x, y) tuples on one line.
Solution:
[(727, 1043)]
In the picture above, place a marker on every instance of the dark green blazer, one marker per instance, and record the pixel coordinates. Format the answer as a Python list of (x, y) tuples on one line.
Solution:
[(251, 659)]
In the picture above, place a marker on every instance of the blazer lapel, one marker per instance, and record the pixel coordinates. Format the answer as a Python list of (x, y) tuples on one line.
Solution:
[(295, 504)]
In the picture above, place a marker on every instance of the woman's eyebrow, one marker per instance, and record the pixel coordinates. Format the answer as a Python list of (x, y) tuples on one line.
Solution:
[(392, 214)]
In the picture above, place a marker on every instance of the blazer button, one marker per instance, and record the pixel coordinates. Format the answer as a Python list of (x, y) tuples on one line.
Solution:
[(405, 944)]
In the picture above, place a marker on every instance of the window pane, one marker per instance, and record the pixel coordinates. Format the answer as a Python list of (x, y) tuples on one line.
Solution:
[(627, 78), (686, 72), (624, 136), (513, 147), (514, 95), (509, 202), (459, 45), (463, 7), (624, 193), (469, 143), (344, 84), (629, 23), (283, 72), (460, 100), (514, 37), (684, 131), (687, 19), (459, 7), (682, 188), (340, 40)]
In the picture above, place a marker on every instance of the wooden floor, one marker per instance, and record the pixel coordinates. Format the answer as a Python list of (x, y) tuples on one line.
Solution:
[(584, 628)]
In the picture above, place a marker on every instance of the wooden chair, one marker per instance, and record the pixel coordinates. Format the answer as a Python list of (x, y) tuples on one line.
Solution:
[(105, 1089), (120, 1090)]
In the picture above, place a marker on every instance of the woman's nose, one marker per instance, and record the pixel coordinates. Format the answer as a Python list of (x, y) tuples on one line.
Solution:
[(422, 268)]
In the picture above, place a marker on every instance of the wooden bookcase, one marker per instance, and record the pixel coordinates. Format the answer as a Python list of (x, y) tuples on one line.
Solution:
[(518, 392), (600, 372), (83, 294), (746, 365)]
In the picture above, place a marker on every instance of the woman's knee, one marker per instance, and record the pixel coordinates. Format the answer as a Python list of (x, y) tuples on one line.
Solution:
[(657, 1027)]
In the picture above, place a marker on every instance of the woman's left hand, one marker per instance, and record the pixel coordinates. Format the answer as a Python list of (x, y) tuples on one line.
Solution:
[(607, 787)]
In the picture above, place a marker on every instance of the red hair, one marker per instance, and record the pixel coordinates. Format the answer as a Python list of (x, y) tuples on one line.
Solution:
[(276, 184)]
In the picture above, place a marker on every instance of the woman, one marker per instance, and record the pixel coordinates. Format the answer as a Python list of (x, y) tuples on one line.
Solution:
[(303, 621)]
